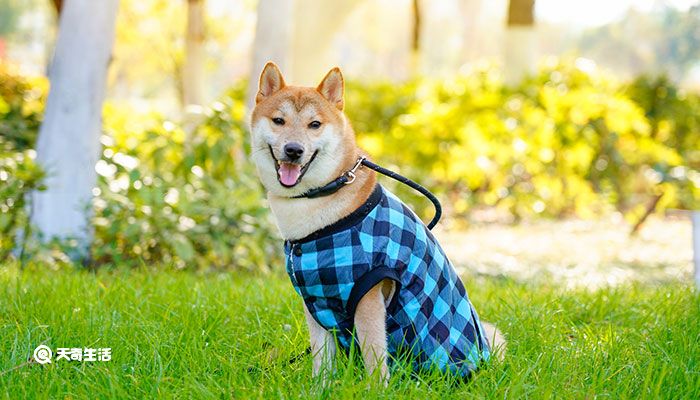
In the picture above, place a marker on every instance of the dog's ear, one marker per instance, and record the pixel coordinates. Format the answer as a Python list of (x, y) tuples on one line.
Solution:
[(332, 88), (271, 81)]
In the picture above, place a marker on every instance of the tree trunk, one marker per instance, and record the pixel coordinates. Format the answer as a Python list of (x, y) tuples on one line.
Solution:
[(312, 41), (415, 37), (520, 41), (193, 68), (470, 14), (69, 139), (58, 5), (273, 40), (521, 13)]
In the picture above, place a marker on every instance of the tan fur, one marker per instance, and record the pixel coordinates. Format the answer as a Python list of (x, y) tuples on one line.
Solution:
[(299, 106), (297, 218), (370, 325)]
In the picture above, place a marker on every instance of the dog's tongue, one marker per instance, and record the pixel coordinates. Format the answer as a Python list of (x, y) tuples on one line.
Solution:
[(289, 173)]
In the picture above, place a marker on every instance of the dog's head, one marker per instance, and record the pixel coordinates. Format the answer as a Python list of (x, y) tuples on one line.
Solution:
[(300, 137)]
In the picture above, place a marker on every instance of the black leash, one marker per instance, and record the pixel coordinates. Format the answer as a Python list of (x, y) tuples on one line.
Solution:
[(349, 177), (425, 192)]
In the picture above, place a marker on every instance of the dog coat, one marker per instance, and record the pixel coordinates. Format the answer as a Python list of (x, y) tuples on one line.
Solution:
[(429, 317)]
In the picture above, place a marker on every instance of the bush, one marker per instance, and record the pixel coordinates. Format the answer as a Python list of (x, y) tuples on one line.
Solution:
[(567, 141), (21, 106), (674, 118), (191, 200), (163, 196)]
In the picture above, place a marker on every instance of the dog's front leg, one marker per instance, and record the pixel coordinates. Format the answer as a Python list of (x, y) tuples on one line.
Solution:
[(322, 347), (370, 325)]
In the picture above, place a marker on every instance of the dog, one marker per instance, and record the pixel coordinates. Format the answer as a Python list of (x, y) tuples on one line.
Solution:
[(369, 272)]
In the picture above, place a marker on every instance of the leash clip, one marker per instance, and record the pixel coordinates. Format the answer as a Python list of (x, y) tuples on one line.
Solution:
[(351, 174)]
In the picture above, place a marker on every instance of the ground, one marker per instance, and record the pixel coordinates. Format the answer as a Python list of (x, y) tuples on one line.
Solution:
[(576, 253), (231, 335)]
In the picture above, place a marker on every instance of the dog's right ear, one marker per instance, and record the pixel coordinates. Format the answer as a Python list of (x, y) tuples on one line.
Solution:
[(271, 81)]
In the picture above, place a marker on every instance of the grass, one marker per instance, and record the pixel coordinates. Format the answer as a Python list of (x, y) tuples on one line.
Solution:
[(227, 335)]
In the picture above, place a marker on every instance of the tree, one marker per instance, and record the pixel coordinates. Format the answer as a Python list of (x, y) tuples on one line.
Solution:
[(273, 40), (415, 36), (473, 40), (312, 41), (193, 68), (69, 138), (149, 51), (278, 37), (520, 42), (11, 12), (58, 6), (665, 40)]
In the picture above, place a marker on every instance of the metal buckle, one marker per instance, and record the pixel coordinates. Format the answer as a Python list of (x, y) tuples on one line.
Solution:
[(351, 174)]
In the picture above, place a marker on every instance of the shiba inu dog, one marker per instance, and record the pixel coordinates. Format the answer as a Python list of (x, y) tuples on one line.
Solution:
[(369, 271)]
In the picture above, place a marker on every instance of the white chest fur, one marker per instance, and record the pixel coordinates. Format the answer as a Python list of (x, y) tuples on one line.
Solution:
[(297, 218)]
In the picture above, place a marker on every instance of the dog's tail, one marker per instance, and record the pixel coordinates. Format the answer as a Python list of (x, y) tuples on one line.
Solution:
[(496, 340)]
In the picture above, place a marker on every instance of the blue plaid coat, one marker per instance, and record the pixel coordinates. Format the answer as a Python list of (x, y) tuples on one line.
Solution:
[(429, 318)]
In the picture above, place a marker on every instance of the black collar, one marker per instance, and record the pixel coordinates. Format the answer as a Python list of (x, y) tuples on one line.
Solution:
[(346, 178)]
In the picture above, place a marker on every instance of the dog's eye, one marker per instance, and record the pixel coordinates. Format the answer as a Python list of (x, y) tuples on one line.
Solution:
[(314, 125), (278, 121)]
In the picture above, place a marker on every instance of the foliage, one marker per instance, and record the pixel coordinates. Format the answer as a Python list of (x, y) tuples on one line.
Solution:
[(567, 141), (10, 11), (149, 49), (21, 106), (674, 117), (230, 335), (12, 15), (163, 195), (665, 39), (186, 198), (21, 109)]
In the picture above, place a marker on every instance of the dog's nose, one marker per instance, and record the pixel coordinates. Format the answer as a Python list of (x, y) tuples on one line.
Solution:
[(293, 150)]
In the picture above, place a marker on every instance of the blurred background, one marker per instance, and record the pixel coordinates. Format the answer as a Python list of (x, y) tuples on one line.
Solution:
[(563, 138)]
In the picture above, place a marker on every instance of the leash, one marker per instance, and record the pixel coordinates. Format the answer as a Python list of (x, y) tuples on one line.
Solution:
[(348, 177)]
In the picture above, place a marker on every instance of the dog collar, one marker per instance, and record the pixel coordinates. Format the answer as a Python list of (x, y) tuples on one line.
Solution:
[(346, 178), (349, 177)]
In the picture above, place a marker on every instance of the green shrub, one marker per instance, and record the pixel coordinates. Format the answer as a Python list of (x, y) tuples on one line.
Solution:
[(190, 200), (21, 106), (674, 117), (567, 141), (163, 196)]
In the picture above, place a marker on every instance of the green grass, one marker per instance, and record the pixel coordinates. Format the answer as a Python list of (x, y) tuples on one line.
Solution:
[(228, 335)]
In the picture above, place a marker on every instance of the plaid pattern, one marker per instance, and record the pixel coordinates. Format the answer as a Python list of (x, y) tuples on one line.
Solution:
[(429, 316)]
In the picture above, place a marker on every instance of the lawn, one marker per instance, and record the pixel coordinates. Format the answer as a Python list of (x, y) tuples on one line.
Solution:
[(229, 335)]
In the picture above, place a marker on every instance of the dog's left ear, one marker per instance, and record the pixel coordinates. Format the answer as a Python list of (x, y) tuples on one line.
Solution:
[(332, 88)]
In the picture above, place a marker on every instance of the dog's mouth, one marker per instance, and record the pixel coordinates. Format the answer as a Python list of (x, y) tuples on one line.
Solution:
[(289, 174)]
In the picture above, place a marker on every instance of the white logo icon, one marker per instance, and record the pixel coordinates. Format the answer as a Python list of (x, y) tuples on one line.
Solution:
[(43, 354)]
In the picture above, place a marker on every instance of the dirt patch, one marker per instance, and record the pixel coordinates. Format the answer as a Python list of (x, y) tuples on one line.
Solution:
[(575, 253)]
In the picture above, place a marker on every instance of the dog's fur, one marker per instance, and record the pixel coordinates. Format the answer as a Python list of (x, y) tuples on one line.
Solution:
[(337, 152)]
